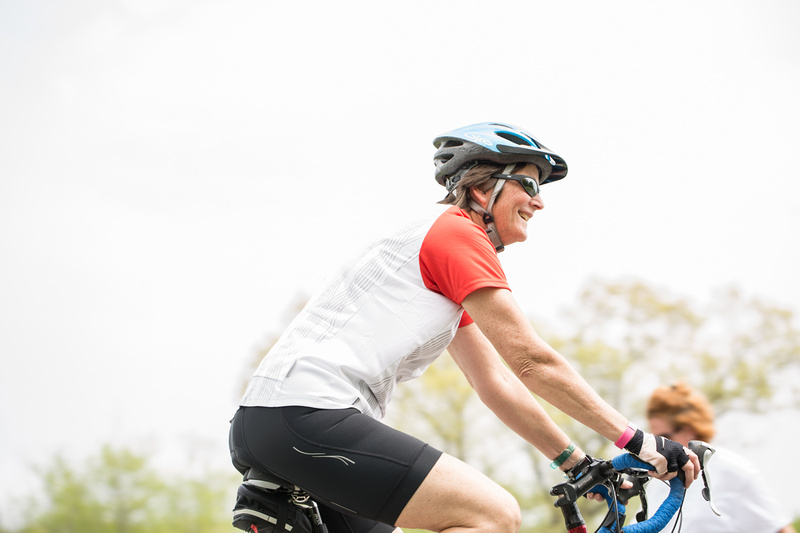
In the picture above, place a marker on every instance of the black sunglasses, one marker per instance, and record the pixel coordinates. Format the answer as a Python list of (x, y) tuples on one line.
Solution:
[(527, 182)]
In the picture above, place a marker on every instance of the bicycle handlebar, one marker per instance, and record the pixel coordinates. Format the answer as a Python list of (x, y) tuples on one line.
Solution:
[(666, 510), (606, 478)]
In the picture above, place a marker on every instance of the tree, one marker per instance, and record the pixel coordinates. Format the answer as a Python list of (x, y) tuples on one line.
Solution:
[(117, 491), (737, 350)]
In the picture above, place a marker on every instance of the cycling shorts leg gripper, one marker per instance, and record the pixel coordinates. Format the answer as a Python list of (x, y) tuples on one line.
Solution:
[(347, 460)]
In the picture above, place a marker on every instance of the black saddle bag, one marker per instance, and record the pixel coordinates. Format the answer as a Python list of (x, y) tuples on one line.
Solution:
[(268, 511)]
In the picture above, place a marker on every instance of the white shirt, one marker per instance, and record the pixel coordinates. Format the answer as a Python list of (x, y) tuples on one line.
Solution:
[(382, 319), (740, 494)]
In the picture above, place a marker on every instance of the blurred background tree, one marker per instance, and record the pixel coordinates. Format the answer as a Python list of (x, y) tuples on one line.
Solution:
[(118, 491), (737, 350)]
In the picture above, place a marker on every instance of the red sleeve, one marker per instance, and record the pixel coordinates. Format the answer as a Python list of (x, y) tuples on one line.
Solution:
[(457, 258), (466, 320)]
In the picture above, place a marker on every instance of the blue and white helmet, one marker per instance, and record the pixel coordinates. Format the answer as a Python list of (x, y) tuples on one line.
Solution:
[(493, 142), (459, 150)]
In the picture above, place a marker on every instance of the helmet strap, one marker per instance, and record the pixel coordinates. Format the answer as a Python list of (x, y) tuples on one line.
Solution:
[(491, 230), (488, 218)]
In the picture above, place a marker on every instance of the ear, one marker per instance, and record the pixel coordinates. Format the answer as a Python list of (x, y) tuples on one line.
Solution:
[(479, 196)]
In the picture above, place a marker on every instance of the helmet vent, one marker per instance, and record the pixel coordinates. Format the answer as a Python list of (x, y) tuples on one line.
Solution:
[(516, 139)]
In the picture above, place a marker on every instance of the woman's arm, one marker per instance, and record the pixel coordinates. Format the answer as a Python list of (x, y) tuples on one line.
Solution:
[(546, 373), (501, 391), (540, 368)]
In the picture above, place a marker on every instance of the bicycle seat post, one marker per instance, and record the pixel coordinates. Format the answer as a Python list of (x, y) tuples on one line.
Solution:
[(302, 500)]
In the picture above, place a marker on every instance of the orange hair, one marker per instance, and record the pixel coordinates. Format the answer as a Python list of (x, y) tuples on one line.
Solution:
[(681, 407)]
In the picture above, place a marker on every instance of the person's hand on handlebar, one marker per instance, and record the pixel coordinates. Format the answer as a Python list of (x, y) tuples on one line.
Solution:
[(666, 456)]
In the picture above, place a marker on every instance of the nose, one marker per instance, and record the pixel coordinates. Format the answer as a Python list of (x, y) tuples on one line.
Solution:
[(537, 202)]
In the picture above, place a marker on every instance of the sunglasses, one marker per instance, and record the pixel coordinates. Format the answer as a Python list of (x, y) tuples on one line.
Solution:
[(527, 182)]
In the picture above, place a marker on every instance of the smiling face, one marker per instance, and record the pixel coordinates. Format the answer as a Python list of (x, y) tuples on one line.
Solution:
[(514, 207)]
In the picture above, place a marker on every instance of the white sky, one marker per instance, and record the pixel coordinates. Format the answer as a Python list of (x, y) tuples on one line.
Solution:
[(173, 174)]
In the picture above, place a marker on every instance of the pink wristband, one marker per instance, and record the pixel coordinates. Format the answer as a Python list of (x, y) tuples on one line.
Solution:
[(626, 436)]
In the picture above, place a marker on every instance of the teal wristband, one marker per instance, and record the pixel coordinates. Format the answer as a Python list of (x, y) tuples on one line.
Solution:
[(558, 461)]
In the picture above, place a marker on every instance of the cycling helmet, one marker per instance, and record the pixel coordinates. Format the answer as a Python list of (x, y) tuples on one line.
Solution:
[(460, 150), (493, 142)]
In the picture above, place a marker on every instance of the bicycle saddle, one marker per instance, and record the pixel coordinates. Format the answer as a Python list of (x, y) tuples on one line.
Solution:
[(264, 480)]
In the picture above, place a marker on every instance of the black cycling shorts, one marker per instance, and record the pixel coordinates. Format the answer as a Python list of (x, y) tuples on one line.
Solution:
[(351, 464)]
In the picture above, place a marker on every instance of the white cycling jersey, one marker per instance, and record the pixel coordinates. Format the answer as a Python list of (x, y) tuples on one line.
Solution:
[(382, 319), (740, 494)]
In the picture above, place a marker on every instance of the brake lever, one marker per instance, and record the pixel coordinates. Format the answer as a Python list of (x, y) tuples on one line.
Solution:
[(704, 451), (638, 484)]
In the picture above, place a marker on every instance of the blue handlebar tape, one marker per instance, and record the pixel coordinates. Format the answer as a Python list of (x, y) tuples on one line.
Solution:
[(603, 490), (666, 510), (627, 460)]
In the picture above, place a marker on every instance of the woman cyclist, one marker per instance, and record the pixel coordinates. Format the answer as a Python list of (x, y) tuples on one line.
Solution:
[(311, 411)]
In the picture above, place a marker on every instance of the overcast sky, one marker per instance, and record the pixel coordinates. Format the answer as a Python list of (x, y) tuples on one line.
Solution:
[(174, 174)]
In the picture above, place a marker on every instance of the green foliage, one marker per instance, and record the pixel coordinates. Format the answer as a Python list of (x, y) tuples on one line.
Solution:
[(119, 492), (736, 350)]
